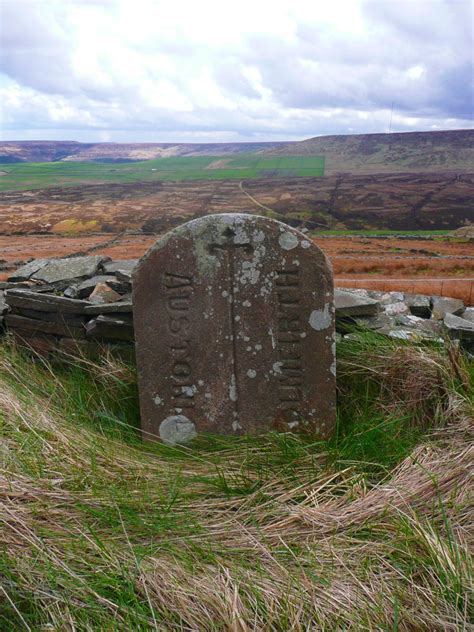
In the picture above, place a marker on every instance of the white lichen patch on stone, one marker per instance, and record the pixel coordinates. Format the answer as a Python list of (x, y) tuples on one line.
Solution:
[(293, 424), (177, 429), (277, 367), (189, 390), (258, 347), (236, 426), (158, 401), (333, 364), (272, 336), (320, 318), (233, 389), (288, 240), (305, 243), (247, 303), (252, 373)]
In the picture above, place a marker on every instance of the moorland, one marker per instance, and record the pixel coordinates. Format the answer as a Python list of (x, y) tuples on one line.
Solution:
[(64, 197)]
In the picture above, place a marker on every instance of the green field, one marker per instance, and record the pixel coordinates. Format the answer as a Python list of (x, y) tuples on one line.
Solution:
[(34, 175)]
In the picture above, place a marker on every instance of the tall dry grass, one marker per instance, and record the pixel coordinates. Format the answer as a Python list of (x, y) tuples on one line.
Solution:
[(100, 532)]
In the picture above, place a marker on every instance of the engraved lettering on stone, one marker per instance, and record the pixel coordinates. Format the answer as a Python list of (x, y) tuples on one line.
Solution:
[(178, 294), (290, 371)]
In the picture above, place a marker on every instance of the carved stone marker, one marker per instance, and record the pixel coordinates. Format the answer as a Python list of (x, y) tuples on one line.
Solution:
[(234, 329)]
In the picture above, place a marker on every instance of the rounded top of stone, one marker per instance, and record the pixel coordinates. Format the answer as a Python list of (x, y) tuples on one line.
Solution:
[(215, 227)]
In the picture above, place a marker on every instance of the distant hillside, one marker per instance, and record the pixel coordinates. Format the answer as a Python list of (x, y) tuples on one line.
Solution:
[(51, 151), (388, 153), (410, 152)]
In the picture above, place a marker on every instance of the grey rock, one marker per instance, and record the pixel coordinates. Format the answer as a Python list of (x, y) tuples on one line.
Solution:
[(419, 305), (440, 306), (392, 297), (395, 309), (76, 320), (468, 314), (85, 288), (3, 305), (349, 304), (376, 322), (403, 334), (26, 271), (57, 270), (429, 327), (109, 327), (124, 275), (10, 285), (103, 294), (28, 299), (414, 335), (121, 287), (125, 265), (459, 327), (107, 308), (15, 321)]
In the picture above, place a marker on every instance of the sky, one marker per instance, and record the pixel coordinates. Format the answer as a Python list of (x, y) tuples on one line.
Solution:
[(240, 71)]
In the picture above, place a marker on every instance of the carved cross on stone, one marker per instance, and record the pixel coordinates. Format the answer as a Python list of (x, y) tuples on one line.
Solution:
[(234, 324), (228, 247)]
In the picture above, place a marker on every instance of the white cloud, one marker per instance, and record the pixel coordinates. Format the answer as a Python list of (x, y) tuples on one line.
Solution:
[(160, 70)]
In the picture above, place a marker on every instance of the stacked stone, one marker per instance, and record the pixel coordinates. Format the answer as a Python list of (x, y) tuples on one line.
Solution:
[(404, 316), (81, 303), (70, 305)]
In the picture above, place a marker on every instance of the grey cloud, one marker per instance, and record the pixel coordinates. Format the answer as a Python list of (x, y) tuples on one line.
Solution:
[(229, 76), (35, 47), (318, 70)]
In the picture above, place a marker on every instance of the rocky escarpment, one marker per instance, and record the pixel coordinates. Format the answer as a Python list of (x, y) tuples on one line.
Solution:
[(79, 304)]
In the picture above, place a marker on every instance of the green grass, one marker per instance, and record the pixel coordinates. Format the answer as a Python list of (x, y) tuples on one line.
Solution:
[(100, 531), (37, 175)]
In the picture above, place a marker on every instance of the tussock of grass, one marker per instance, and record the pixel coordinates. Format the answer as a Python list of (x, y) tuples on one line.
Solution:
[(369, 531)]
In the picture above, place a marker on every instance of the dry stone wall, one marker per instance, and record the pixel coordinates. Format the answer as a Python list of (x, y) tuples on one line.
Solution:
[(83, 303), (74, 305)]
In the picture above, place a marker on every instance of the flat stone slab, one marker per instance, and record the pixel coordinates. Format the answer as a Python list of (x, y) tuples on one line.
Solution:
[(468, 314), (126, 265), (442, 306), (85, 288), (234, 327), (68, 269), (55, 317), (3, 305), (419, 305), (349, 304), (459, 327), (15, 321), (26, 271), (119, 307), (29, 299), (110, 327)]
